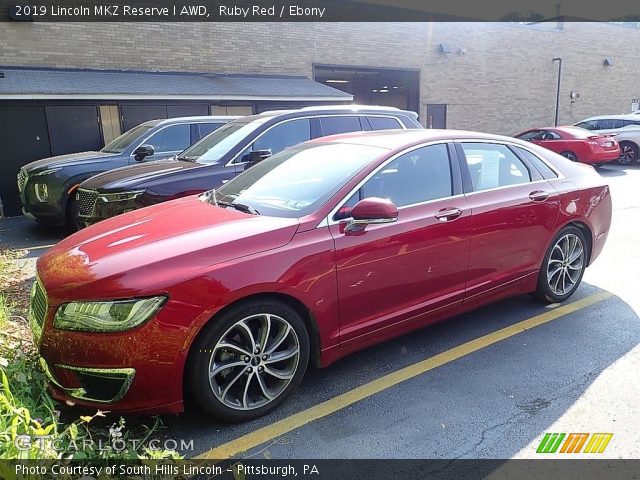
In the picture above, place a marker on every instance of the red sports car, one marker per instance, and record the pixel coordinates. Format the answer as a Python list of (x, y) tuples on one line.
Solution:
[(321, 250), (575, 143)]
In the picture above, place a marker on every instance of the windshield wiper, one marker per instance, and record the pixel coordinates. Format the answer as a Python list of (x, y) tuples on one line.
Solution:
[(186, 159), (240, 206)]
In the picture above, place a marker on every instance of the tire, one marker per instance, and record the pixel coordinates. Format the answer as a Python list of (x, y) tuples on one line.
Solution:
[(71, 220), (248, 384), (570, 155), (559, 278), (628, 153)]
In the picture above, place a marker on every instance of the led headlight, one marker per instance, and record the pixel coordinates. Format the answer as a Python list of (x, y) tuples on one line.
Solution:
[(119, 197), (42, 192), (115, 316)]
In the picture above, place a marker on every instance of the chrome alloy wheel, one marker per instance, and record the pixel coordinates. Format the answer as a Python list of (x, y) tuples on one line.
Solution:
[(565, 264), (254, 361)]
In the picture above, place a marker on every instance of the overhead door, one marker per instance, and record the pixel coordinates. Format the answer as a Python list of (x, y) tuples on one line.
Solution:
[(133, 115), (24, 138), (187, 110), (73, 128)]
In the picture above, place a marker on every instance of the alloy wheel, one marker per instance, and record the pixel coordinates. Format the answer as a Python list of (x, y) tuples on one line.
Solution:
[(627, 155), (565, 264), (254, 361)]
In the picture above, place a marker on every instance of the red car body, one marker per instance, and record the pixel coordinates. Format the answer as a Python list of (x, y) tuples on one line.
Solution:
[(357, 289), (575, 143)]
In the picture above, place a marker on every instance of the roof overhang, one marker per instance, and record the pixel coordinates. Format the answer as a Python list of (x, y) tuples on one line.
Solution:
[(106, 97)]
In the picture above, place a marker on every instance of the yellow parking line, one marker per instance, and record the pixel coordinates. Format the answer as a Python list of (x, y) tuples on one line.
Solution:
[(39, 247), (281, 427)]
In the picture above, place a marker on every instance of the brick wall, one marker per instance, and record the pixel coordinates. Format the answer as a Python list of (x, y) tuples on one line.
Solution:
[(505, 81)]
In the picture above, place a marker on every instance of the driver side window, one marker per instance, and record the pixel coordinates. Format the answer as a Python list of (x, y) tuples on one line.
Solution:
[(418, 176), (284, 135), (174, 138)]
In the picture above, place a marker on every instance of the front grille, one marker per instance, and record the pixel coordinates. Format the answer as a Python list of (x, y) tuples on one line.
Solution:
[(86, 201), (37, 308), (22, 179)]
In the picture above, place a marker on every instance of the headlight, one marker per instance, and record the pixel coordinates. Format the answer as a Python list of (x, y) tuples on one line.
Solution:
[(42, 192), (119, 197), (114, 316)]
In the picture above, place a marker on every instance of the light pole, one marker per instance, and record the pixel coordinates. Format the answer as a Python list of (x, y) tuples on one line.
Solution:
[(559, 60)]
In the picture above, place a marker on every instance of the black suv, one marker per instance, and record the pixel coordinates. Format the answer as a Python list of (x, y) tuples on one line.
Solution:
[(47, 187), (224, 154)]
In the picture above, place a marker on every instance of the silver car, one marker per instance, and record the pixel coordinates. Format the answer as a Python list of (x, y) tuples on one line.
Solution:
[(626, 129)]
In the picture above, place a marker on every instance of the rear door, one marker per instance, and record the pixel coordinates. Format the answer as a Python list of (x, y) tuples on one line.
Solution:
[(514, 212)]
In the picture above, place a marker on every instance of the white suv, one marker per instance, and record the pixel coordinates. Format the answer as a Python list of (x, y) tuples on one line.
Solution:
[(626, 129)]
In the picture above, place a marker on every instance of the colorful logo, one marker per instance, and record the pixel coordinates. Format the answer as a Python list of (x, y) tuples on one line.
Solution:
[(573, 442)]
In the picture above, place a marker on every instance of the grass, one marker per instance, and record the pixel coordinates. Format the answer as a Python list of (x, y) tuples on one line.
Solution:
[(32, 424)]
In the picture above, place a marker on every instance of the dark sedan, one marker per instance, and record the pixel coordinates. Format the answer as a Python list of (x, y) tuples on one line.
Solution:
[(224, 154), (47, 187)]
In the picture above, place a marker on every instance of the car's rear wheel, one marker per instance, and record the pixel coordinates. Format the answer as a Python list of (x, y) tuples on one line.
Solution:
[(248, 360), (563, 266), (570, 155), (628, 153)]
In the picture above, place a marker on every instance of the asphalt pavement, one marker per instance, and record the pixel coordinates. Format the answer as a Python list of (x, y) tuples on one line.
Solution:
[(468, 389)]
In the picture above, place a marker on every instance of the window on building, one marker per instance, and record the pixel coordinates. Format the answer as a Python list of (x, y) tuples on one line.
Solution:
[(494, 165)]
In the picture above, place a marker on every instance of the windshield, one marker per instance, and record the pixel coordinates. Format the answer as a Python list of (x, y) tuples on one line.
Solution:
[(121, 143), (212, 147), (297, 181)]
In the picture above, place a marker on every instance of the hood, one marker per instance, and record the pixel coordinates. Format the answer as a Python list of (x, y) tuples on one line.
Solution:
[(133, 176), (81, 158), (139, 253)]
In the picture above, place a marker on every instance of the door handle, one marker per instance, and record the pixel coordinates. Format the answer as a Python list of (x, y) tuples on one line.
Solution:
[(539, 195), (448, 214)]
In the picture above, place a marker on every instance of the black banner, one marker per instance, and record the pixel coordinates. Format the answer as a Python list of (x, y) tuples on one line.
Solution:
[(549, 469), (316, 10)]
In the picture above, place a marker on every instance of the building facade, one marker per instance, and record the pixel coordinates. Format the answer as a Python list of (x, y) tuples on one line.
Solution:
[(494, 77)]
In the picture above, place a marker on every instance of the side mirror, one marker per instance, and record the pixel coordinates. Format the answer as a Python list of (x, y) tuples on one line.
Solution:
[(254, 157), (143, 151), (371, 210)]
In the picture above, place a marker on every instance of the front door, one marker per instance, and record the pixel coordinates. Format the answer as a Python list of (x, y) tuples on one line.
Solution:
[(399, 271)]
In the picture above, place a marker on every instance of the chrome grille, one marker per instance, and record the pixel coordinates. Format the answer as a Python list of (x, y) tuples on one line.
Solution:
[(37, 307), (86, 201), (22, 179)]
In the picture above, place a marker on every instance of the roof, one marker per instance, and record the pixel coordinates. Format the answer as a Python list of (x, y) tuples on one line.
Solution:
[(394, 139), (626, 116), (197, 119), (49, 83)]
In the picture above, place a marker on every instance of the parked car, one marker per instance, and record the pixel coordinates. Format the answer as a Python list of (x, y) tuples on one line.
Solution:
[(47, 187), (576, 144), (627, 131), (224, 154), (312, 254)]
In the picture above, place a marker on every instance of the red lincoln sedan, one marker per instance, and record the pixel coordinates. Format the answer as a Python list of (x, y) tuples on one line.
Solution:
[(321, 250), (575, 143)]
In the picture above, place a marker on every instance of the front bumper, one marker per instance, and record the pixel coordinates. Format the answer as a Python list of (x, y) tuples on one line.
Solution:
[(138, 370)]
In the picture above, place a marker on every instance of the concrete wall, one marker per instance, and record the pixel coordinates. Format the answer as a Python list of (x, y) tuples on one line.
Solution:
[(505, 81)]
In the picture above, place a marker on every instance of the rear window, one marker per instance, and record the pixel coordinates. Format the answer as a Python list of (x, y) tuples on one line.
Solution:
[(335, 125), (384, 123), (538, 163)]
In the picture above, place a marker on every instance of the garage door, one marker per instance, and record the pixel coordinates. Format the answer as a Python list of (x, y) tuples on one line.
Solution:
[(133, 115), (73, 128), (24, 138)]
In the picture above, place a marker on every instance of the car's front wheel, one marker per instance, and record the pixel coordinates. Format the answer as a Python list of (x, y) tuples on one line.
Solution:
[(248, 360), (563, 266)]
